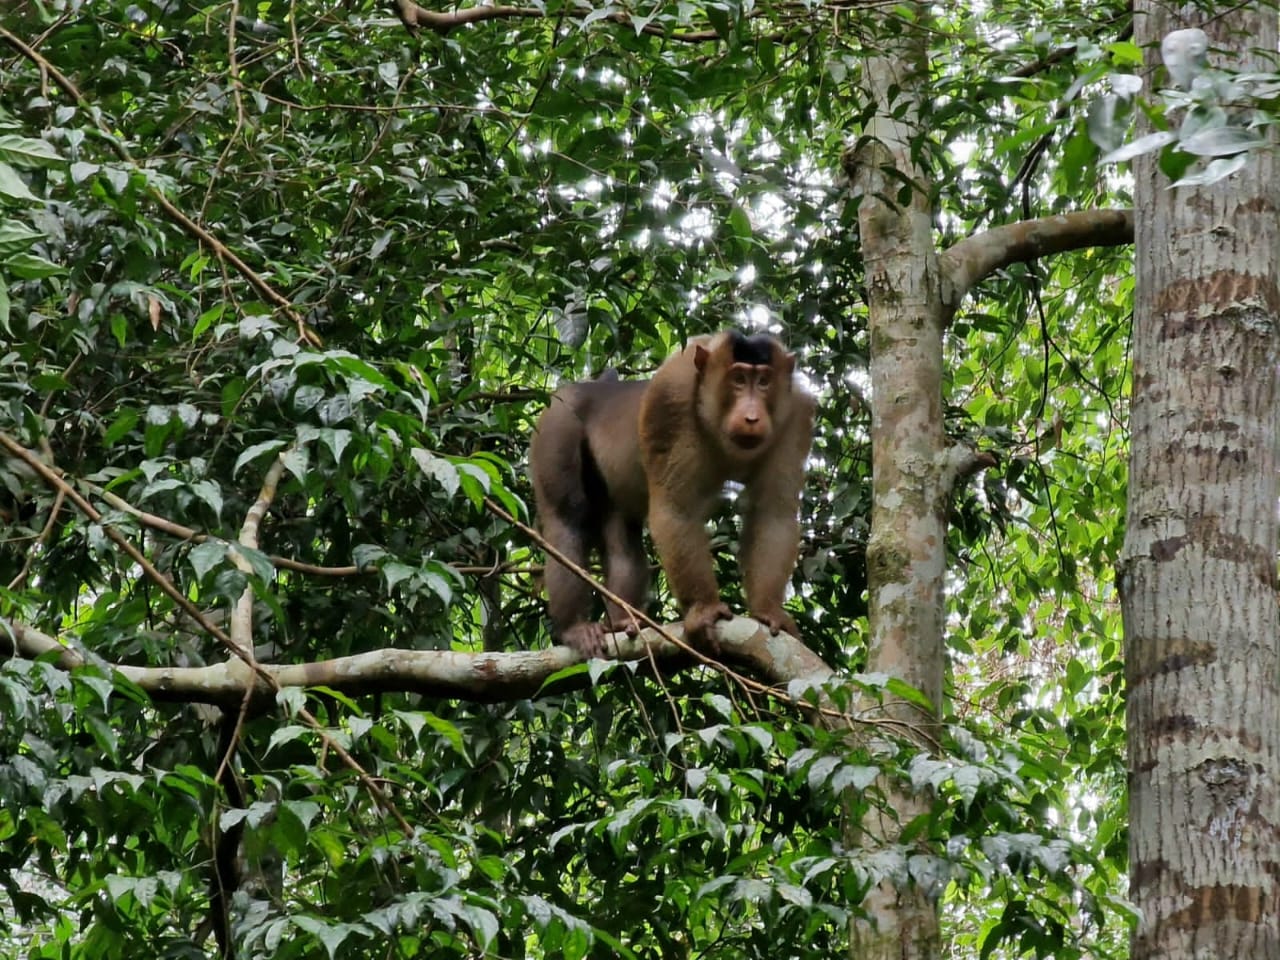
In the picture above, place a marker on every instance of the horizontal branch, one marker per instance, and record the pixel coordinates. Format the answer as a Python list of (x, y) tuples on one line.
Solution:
[(415, 17), (977, 257), (479, 677)]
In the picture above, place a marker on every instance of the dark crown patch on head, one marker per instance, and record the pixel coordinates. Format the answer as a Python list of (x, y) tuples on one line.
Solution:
[(756, 350)]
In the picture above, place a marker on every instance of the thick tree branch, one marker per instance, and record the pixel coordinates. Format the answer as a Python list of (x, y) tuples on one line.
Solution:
[(480, 677), (977, 257)]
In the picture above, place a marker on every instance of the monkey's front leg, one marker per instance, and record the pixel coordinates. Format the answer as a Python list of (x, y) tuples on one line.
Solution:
[(770, 544), (684, 548)]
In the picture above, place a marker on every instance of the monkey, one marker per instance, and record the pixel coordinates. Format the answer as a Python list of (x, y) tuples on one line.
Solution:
[(610, 454)]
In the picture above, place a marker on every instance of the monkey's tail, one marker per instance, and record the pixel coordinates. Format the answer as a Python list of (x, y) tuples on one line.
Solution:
[(563, 470)]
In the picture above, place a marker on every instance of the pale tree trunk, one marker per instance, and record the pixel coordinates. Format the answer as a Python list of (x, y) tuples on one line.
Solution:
[(911, 478), (1198, 574)]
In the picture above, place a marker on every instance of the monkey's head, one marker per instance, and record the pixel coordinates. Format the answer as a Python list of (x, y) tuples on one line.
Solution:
[(744, 387)]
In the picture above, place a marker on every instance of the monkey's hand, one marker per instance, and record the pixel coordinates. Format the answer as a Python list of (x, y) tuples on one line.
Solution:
[(586, 638), (700, 624), (776, 619)]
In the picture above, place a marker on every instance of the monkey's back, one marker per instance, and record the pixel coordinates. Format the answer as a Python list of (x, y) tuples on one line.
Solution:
[(585, 455)]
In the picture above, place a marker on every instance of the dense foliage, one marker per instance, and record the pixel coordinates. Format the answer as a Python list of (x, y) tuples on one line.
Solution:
[(232, 233)]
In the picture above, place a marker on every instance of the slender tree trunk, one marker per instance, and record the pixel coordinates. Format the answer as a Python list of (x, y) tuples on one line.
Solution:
[(911, 479), (1198, 576)]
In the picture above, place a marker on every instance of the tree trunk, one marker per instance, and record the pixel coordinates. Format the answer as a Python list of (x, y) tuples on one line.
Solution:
[(1198, 575), (911, 481)]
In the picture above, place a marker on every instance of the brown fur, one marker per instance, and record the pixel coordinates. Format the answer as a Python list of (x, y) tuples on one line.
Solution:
[(608, 453)]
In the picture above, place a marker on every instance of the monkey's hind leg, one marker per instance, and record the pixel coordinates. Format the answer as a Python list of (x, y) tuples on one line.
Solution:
[(626, 570), (569, 599)]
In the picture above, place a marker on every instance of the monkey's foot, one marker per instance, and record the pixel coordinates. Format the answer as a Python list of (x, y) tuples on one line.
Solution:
[(586, 638), (628, 625), (776, 619), (700, 625)]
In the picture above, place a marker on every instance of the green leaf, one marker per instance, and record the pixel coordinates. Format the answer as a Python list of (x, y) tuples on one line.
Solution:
[(27, 151), (16, 236), (255, 451), (1221, 141), (718, 16), (1216, 170), (206, 556), (439, 469), (28, 266)]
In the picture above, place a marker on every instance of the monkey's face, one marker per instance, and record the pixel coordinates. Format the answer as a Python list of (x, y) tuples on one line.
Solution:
[(748, 396)]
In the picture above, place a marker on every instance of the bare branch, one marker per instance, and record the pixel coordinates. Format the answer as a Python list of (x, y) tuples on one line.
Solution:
[(977, 257)]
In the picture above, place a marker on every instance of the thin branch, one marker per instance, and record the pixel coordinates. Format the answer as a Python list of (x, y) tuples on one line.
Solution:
[(414, 17), (40, 541)]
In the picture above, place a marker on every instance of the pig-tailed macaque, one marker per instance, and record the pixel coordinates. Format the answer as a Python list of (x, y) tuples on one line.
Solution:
[(608, 454)]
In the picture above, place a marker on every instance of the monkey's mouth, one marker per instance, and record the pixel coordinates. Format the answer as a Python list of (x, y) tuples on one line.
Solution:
[(747, 441)]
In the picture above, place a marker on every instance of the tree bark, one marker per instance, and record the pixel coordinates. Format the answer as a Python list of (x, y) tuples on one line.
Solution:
[(1198, 573)]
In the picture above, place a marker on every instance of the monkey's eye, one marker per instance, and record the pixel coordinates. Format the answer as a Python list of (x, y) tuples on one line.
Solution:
[(739, 378), (762, 381)]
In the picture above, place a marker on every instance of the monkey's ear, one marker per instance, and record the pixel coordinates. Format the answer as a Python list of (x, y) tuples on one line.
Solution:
[(700, 356), (788, 364)]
